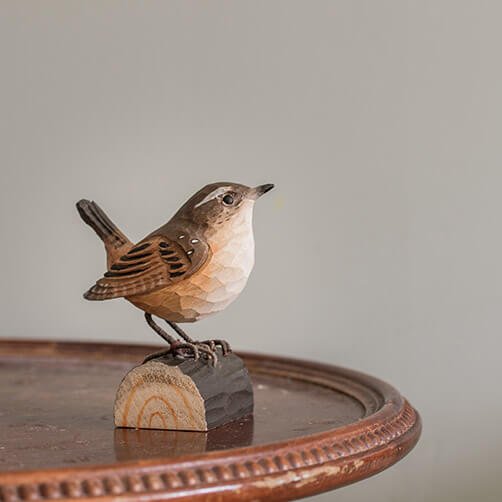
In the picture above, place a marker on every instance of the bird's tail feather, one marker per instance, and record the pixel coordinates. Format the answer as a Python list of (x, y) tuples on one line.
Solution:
[(97, 219)]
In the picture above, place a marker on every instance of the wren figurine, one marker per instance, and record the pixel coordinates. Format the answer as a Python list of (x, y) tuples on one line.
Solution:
[(193, 266)]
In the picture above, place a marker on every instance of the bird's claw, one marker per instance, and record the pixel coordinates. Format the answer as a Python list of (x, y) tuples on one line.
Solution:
[(213, 344), (186, 350), (195, 350)]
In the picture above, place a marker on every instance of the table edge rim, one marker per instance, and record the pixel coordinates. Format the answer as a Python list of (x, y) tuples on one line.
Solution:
[(309, 464)]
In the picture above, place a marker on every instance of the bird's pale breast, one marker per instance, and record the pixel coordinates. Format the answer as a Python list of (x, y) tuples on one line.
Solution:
[(217, 284)]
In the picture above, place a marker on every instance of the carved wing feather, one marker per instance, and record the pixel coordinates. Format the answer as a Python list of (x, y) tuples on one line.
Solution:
[(152, 264)]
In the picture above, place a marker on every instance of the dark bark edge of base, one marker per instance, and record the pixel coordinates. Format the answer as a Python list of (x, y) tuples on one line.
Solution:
[(176, 394)]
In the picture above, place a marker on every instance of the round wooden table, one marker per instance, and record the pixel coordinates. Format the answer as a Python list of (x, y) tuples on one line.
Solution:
[(315, 427)]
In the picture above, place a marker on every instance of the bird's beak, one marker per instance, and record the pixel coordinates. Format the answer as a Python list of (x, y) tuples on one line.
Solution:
[(258, 191)]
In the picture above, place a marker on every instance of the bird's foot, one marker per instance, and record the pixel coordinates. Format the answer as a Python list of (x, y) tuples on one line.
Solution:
[(195, 350), (187, 350), (213, 344)]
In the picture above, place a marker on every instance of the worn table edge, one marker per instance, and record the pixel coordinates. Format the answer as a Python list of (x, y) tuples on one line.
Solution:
[(309, 464)]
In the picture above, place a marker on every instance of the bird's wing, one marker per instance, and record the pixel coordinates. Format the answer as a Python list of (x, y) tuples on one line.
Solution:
[(152, 264)]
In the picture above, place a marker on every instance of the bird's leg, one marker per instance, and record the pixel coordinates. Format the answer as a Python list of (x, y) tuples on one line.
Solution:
[(168, 338), (187, 349), (165, 336), (180, 332), (212, 344), (209, 349)]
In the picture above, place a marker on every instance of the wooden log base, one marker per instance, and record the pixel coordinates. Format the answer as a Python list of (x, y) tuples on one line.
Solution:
[(183, 394)]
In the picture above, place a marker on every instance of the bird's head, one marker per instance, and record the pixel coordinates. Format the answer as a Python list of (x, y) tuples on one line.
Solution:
[(219, 203)]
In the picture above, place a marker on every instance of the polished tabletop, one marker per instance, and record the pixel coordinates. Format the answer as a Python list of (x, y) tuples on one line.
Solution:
[(56, 426)]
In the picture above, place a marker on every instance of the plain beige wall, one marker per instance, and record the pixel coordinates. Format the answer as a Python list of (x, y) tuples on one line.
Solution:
[(379, 121)]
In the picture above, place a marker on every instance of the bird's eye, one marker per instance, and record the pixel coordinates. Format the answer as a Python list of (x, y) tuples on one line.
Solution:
[(228, 200)]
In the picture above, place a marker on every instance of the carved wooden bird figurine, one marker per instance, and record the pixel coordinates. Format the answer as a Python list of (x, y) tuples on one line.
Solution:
[(193, 266)]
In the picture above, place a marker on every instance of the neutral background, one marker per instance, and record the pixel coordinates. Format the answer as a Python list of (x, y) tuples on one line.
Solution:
[(380, 249)]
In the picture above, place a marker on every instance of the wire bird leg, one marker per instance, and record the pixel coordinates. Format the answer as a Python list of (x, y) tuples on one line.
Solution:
[(185, 350), (212, 344), (168, 338), (180, 332)]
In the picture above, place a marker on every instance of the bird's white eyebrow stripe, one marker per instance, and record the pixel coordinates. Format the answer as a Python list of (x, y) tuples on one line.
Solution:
[(212, 195)]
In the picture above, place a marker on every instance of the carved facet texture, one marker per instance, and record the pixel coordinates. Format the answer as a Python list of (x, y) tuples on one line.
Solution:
[(216, 284)]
